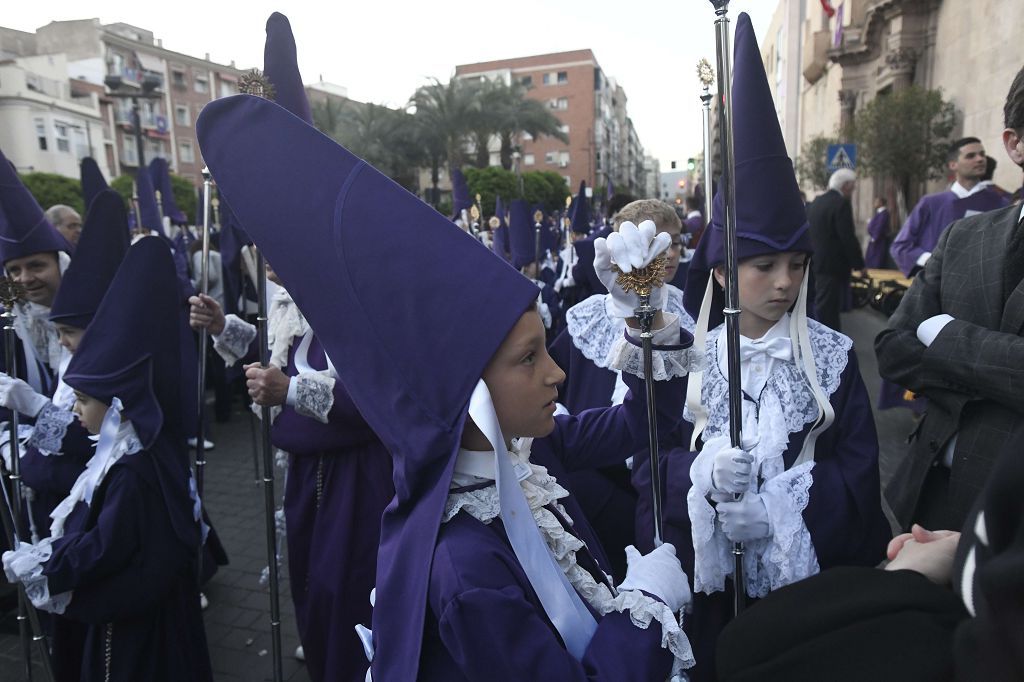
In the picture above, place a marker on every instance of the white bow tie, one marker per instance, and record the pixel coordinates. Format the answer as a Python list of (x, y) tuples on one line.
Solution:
[(779, 348)]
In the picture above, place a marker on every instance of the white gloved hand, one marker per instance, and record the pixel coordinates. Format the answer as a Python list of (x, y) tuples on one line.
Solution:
[(657, 573), (730, 471), (631, 247), (745, 519), (16, 395)]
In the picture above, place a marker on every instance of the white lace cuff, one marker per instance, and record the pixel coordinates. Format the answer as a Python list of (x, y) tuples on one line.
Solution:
[(50, 428), (789, 553), (674, 361), (233, 343), (644, 609), (25, 565), (314, 394), (713, 558)]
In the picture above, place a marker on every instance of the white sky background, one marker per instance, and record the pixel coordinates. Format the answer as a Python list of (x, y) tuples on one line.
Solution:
[(381, 51)]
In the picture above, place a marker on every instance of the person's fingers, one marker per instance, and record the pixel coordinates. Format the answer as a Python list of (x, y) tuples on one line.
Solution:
[(617, 251), (635, 250), (896, 544), (647, 229), (659, 244)]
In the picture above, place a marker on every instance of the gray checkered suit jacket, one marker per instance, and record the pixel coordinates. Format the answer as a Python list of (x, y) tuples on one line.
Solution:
[(972, 374)]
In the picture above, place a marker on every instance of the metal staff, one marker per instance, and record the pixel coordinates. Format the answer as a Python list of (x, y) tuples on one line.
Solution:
[(135, 207), (732, 290), (706, 75), (28, 619), (538, 216), (255, 83), (268, 476), (643, 282), (204, 288)]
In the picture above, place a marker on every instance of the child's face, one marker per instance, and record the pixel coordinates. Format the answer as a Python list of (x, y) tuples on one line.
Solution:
[(69, 336), (523, 380), (90, 412), (769, 285)]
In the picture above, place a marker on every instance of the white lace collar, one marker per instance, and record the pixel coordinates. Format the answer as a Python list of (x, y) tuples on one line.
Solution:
[(284, 323), (593, 332)]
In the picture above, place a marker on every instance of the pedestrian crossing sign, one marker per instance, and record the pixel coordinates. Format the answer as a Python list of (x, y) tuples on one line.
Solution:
[(841, 156)]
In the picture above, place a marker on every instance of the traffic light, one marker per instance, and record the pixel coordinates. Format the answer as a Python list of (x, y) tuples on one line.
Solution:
[(691, 163)]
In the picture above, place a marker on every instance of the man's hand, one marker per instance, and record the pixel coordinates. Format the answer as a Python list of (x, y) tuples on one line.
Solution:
[(918, 534), (267, 385), (932, 555), (206, 312)]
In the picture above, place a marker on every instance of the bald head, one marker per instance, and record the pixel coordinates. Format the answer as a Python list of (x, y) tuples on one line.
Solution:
[(67, 221)]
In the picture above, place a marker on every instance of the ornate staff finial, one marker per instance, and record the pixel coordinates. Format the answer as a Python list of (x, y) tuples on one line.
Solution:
[(10, 292), (474, 212), (705, 74), (643, 281), (538, 216), (568, 201), (494, 223), (256, 83)]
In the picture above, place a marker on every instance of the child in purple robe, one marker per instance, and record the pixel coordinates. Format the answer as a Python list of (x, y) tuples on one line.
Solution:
[(581, 350), (808, 469), (877, 253), (486, 570), (120, 563)]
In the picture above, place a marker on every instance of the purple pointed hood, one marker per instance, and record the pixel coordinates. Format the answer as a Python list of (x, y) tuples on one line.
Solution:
[(149, 212), (24, 230), (140, 364), (100, 251), (93, 181), (160, 176), (770, 216), (581, 211), (374, 270), (281, 67), (521, 234), (461, 199)]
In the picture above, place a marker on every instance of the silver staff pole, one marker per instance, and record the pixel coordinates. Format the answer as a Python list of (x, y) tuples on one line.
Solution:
[(538, 218), (268, 476), (204, 289), (643, 283), (707, 76), (29, 628), (732, 306)]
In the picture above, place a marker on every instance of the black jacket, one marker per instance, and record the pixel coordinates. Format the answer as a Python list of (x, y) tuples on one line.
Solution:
[(836, 249)]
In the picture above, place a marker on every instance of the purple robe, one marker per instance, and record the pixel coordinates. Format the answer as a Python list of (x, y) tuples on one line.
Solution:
[(133, 579), (877, 253), (485, 622), (931, 217), (844, 514), (339, 481), (51, 476)]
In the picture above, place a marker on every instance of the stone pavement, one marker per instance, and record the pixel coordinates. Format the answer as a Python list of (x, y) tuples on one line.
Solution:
[(237, 621)]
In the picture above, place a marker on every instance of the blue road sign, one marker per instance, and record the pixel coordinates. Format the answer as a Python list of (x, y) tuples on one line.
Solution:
[(841, 156)]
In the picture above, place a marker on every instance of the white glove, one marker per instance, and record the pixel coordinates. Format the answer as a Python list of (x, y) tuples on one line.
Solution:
[(745, 519), (731, 467), (630, 247), (657, 573), (16, 395)]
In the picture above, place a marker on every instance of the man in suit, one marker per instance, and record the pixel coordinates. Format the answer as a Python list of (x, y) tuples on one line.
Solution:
[(836, 249), (956, 339)]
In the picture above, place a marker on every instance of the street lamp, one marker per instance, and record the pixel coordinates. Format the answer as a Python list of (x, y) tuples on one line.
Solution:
[(149, 84)]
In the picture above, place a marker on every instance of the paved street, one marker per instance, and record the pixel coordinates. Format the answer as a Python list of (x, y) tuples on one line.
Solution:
[(237, 624)]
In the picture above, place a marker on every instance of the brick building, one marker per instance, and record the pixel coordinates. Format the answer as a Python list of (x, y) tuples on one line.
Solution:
[(603, 144)]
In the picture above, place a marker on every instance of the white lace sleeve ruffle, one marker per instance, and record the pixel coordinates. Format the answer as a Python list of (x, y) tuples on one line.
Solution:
[(627, 356), (713, 558), (50, 428), (25, 565), (642, 610), (789, 553), (314, 395), (233, 343), (591, 330), (543, 310)]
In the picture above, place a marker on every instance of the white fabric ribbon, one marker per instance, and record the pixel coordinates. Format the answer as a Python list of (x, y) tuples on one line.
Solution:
[(779, 348), (563, 606)]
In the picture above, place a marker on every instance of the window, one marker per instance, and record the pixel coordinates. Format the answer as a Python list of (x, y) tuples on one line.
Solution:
[(178, 79), (185, 152), (81, 143), (527, 81), (563, 77), (41, 133), (547, 79), (527, 137), (228, 88), (201, 84), (129, 153), (563, 159), (560, 103), (564, 128), (62, 134), (568, 180), (550, 157), (528, 159), (181, 116)]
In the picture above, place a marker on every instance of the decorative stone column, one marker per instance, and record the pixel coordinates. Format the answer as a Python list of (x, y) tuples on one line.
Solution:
[(900, 63)]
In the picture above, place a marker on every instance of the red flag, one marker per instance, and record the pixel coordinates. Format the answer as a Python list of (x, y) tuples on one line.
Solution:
[(829, 9)]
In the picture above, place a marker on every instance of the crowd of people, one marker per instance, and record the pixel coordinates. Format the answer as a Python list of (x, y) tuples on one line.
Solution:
[(463, 410)]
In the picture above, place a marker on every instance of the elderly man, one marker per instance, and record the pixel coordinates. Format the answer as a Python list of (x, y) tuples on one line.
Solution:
[(836, 249), (67, 221)]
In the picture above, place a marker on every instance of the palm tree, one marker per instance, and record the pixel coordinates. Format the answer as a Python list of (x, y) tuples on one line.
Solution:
[(447, 112), (518, 114)]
